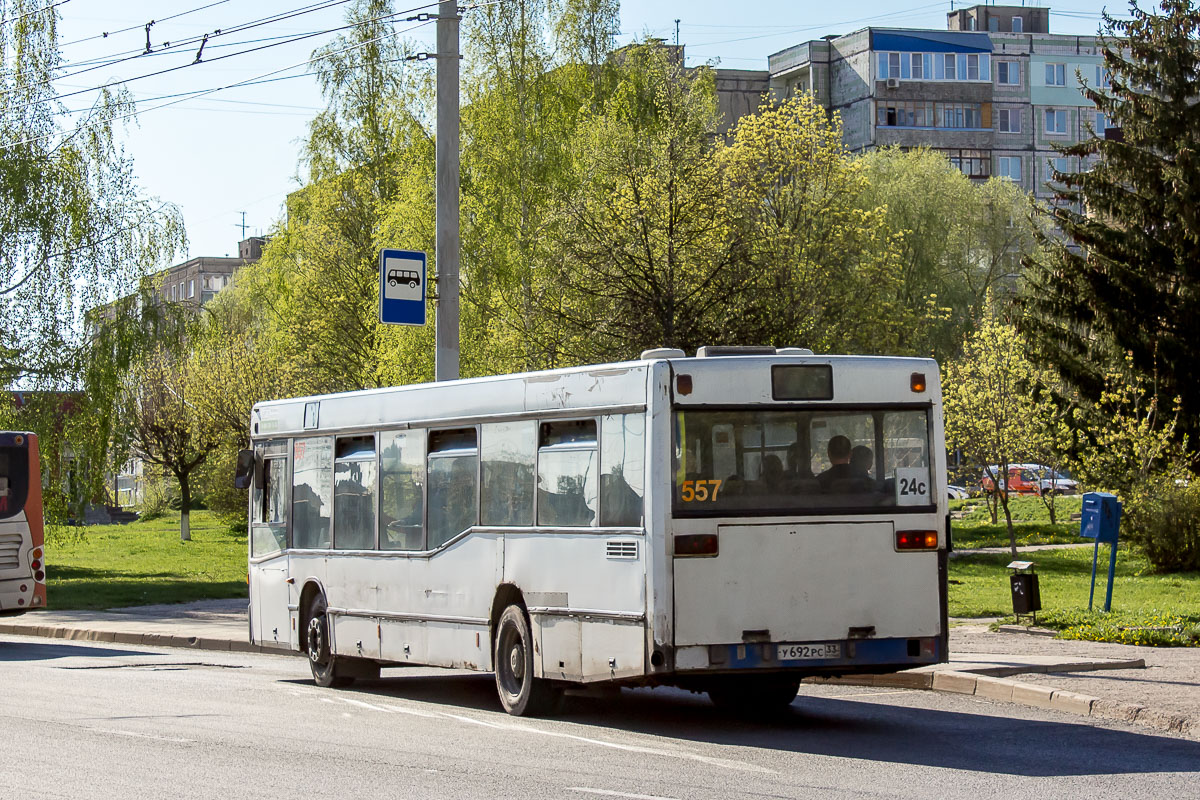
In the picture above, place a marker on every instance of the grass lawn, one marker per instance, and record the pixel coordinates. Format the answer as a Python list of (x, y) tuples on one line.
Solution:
[(1031, 523), (979, 584), (109, 566)]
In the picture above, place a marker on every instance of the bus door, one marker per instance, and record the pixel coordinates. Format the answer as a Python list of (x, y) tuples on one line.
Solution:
[(270, 592), (786, 523)]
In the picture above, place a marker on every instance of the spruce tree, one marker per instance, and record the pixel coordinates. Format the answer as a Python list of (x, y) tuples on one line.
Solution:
[(1124, 281)]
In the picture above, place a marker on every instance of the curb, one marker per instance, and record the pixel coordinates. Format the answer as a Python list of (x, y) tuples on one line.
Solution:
[(147, 639), (1030, 694)]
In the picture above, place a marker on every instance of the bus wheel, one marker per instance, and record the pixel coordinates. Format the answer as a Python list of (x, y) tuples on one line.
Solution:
[(756, 695), (521, 694), (320, 659)]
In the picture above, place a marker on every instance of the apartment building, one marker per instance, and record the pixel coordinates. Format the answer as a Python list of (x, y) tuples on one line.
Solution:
[(995, 91), (197, 280)]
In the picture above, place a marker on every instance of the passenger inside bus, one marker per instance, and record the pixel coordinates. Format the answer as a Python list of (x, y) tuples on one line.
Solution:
[(861, 459), (839, 457)]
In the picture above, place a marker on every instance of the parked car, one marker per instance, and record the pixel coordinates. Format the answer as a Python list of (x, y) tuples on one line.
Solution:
[(958, 492), (1036, 479)]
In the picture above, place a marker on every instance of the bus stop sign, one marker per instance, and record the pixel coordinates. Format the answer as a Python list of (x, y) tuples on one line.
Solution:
[(402, 287)]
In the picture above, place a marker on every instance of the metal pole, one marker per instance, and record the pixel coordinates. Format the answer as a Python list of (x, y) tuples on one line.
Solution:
[(446, 360), (1095, 555), (1112, 573)]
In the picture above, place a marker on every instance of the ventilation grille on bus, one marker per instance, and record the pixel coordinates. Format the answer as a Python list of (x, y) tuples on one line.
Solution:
[(10, 551), (622, 548)]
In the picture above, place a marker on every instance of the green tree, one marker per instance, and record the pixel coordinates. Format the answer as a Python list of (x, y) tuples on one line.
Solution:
[(813, 267), (1126, 280), (961, 240), (995, 414), (75, 231), (644, 231), (165, 427)]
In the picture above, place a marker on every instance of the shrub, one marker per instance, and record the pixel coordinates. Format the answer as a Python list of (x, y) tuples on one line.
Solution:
[(1162, 519)]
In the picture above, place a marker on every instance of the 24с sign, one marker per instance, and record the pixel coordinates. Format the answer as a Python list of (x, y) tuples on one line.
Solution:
[(402, 287)]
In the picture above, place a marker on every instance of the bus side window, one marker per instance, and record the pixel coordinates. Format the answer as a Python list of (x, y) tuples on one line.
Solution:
[(622, 470), (507, 451), (453, 484), (354, 493), (312, 492), (269, 523), (567, 485), (402, 490)]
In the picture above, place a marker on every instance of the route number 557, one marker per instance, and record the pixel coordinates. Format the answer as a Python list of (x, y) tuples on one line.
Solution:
[(699, 491)]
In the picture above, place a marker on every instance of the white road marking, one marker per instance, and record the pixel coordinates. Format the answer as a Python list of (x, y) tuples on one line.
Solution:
[(391, 709), (631, 748), (609, 793), (136, 735)]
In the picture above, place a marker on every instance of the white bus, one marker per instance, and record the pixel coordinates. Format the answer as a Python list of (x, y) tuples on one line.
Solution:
[(727, 523)]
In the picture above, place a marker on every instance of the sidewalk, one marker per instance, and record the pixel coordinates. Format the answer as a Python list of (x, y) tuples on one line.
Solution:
[(1155, 687)]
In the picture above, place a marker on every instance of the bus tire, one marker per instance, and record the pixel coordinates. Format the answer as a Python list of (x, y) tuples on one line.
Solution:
[(754, 694), (521, 694), (321, 659)]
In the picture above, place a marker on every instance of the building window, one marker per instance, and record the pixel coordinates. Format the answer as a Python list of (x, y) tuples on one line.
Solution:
[(1018, 25), (1008, 73), (1008, 120), (949, 60), (972, 163), (1102, 122), (1060, 165), (994, 24), (1103, 77), (1009, 167), (1056, 74), (918, 114), (172, 293), (917, 63), (973, 67), (893, 65), (192, 288), (1056, 121)]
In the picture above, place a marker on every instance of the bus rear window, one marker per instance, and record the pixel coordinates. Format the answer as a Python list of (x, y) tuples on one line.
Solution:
[(772, 462), (14, 480)]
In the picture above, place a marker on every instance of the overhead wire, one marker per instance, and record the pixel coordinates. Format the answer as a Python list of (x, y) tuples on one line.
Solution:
[(201, 39), (185, 96), (34, 12), (140, 26), (178, 67)]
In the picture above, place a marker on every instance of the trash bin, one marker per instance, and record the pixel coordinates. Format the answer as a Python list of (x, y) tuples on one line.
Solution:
[(1023, 582), (1025, 596)]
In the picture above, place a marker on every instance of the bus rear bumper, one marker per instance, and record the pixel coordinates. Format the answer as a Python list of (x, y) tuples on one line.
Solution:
[(21, 594), (814, 658)]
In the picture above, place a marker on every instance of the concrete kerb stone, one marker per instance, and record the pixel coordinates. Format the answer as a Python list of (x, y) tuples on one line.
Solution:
[(994, 688), (951, 681), (1072, 702), (1032, 694)]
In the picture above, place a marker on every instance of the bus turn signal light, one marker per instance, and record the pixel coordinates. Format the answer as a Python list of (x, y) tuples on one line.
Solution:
[(916, 540), (916, 381), (696, 544)]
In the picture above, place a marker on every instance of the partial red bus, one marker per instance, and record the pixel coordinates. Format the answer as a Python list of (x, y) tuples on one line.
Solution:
[(22, 554)]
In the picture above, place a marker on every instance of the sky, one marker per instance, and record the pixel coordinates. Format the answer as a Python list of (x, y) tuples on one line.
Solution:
[(232, 155)]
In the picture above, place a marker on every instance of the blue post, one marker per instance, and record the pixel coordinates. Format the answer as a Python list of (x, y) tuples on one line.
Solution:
[(1092, 592), (1112, 569), (1101, 521)]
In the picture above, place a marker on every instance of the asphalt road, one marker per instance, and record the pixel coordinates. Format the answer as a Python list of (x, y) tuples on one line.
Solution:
[(80, 720)]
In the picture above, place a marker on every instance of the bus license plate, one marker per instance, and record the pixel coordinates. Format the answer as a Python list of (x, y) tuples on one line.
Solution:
[(796, 652)]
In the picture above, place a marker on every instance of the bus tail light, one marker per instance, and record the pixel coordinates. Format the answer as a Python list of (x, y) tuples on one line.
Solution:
[(696, 545), (916, 540)]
